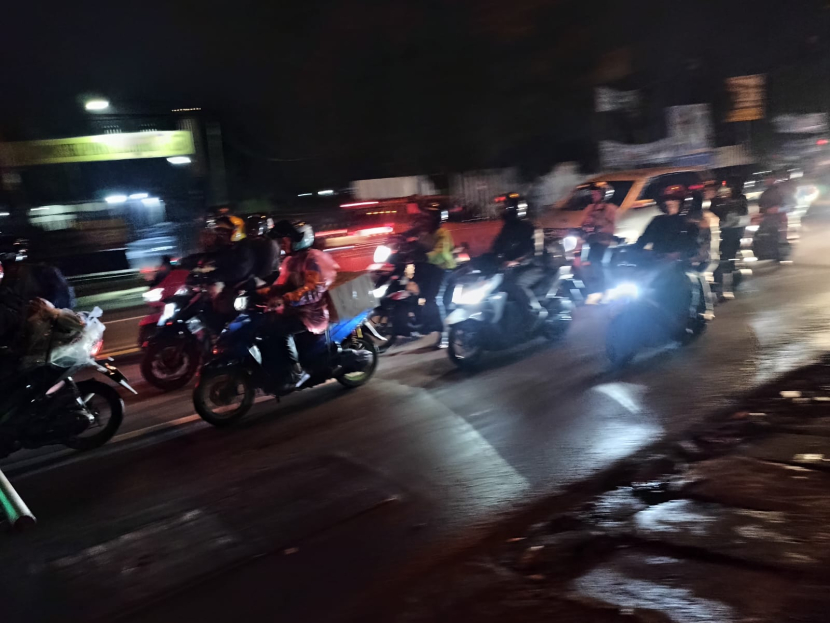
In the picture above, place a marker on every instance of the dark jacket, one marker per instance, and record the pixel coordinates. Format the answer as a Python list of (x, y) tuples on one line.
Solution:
[(670, 233), (730, 211), (515, 240)]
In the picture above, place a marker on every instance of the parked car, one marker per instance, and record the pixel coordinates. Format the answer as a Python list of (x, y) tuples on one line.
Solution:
[(635, 192)]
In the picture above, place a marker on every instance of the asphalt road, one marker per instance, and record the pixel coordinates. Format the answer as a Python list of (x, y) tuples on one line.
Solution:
[(305, 509)]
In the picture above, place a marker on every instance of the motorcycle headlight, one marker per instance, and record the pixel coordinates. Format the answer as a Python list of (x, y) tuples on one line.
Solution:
[(381, 291), (569, 243), (167, 314), (624, 291), (240, 303), (473, 294), (382, 254), (154, 295)]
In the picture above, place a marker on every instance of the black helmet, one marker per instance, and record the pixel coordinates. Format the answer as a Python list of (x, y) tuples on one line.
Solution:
[(675, 192), (604, 188), (434, 215), (300, 233), (515, 207)]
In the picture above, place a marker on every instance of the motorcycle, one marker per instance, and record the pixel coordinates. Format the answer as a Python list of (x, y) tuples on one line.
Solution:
[(230, 378), (770, 241), (398, 313), (487, 318), (43, 405), (662, 302), (173, 285)]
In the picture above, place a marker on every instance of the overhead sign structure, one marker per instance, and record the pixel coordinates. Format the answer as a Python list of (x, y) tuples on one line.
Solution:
[(691, 128), (97, 148), (607, 99), (747, 93)]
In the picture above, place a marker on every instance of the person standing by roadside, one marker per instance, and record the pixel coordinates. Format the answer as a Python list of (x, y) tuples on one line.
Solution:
[(431, 276)]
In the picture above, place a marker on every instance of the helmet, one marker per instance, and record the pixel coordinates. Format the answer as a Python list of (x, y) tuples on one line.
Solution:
[(515, 207), (233, 223), (257, 225), (300, 233), (673, 192), (434, 215), (606, 190)]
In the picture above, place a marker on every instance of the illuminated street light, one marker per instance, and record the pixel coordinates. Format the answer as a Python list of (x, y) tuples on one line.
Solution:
[(97, 104), (139, 196), (179, 160), (115, 198), (305, 194), (325, 192)]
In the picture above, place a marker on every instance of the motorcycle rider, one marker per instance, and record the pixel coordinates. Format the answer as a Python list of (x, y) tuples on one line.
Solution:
[(517, 245), (598, 228), (674, 235), (731, 208), (298, 299)]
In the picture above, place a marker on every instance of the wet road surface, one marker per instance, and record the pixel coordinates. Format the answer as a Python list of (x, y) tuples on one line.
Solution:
[(340, 489)]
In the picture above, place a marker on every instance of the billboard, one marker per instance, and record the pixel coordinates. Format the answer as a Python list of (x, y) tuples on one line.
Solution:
[(97, 148), (690, 127), (811, 123), (747, 95)]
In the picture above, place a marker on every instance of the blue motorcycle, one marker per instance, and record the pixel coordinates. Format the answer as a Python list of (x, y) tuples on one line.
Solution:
[(234, 373)]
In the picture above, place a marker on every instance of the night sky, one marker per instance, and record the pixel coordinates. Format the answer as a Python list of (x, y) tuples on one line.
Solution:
[(322, 92)]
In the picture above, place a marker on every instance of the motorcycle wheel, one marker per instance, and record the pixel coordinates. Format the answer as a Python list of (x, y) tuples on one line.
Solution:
[(99, 399), (383, 325), (464, 348), (356, 379), (619, 342), (160, 356), (215, 394)]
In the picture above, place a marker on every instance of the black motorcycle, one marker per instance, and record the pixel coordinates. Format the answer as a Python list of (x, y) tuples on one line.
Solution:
[(43, 405), (655, 301), (187, 330), (229, 380)]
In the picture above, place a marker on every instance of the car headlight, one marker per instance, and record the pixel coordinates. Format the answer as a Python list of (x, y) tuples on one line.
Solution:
[(381, 291), (624, 291), (154, 295), (167, 314), (382, 254), (240, 303), (569, 243)]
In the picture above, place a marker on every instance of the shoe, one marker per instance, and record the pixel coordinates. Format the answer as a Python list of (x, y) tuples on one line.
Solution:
[(443, 341)]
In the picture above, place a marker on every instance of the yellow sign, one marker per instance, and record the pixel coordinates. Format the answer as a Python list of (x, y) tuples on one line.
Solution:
[(97, 148), (747, 95)]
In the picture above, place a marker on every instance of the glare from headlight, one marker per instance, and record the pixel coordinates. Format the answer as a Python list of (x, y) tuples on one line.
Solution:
[(154, 295), (183, 291), (624, 291), (382, 254), (752, 228), (381, 291), (470, 296), (240, 303), (569, 243)]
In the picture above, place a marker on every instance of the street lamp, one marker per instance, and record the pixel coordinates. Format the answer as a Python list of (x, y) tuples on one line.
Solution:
[(96, 104), (179, 160)]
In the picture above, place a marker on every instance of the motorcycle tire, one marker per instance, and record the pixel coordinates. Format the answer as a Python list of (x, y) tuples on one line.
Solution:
[(192, 350), (207, 384), (470, 356), (106, 432), (356, 379)]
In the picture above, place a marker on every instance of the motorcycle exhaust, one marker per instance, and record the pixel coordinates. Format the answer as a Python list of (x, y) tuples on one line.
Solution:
[(17, 513)]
